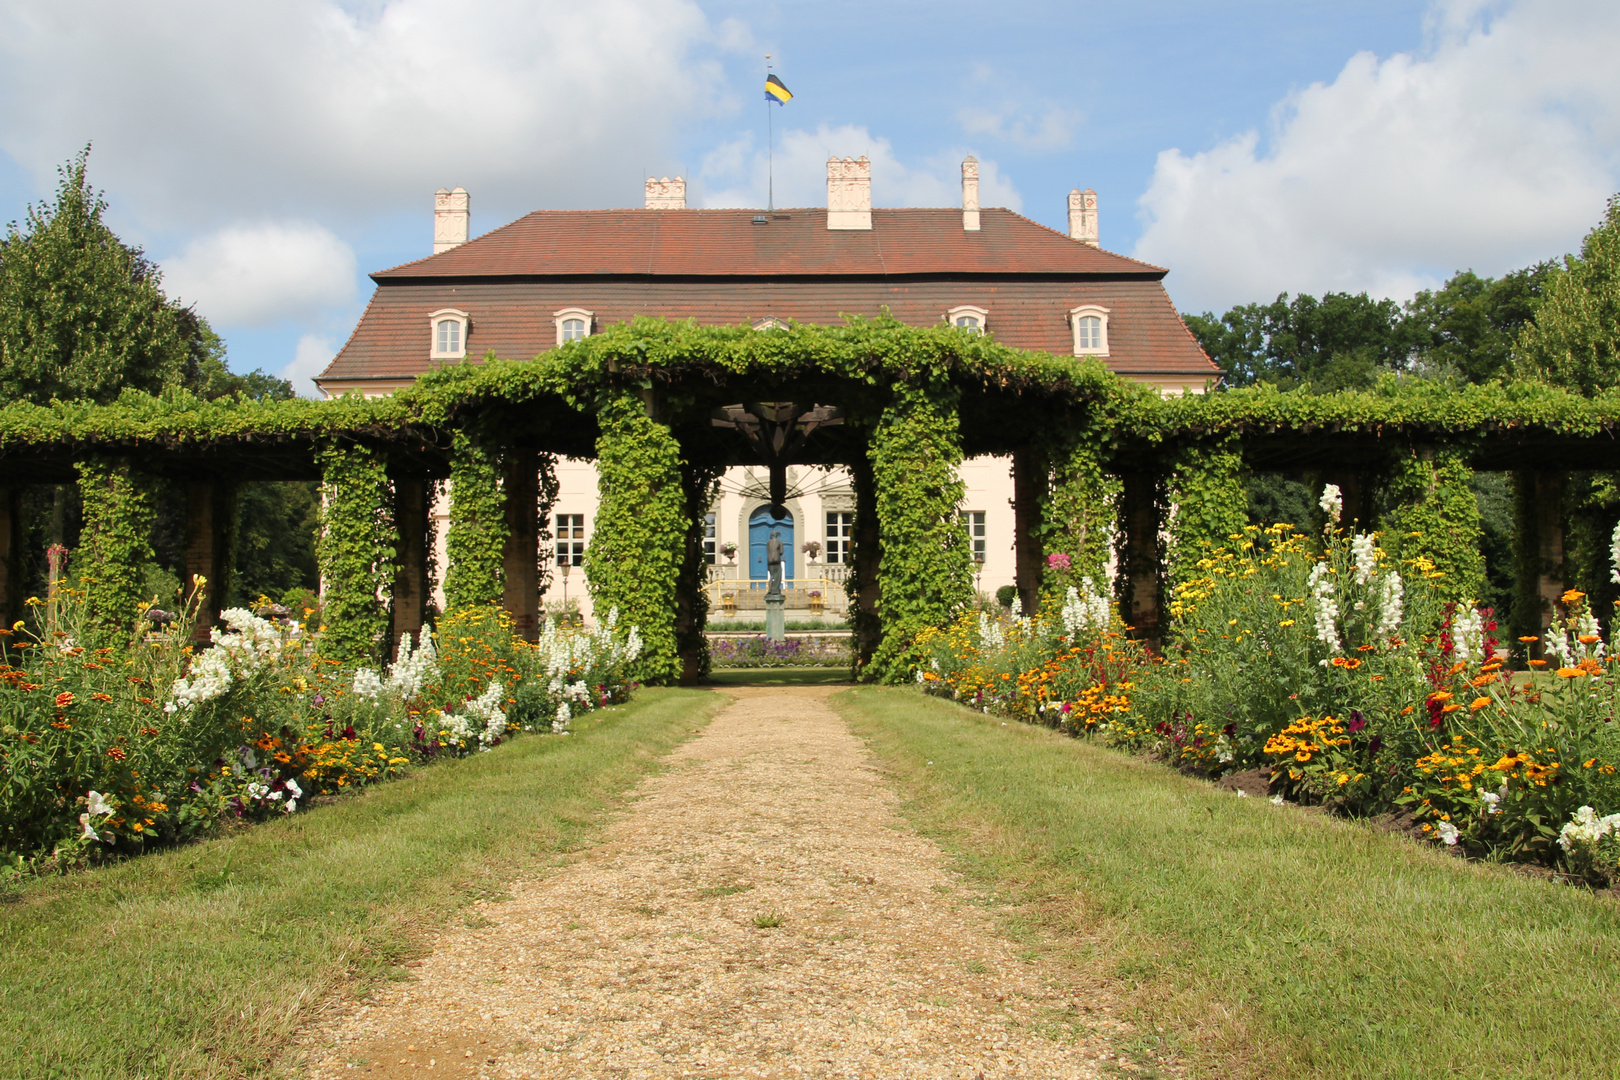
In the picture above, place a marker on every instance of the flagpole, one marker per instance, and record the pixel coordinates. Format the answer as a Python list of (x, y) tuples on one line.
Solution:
[(770, 148)]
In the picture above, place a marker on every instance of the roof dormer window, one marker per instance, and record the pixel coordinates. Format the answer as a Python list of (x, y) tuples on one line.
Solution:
[(968, 317), (449, 330), (1090, 324), (573, 324), (769, 322)]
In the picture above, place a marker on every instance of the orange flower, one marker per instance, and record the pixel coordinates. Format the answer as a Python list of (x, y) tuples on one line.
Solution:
[(1538, 663), (1589, 639), (1440, 695), (64, 699), (1571, 672), (1530, 640), (1572, 595), (1453, 707), (100, 697), (1478, 704)]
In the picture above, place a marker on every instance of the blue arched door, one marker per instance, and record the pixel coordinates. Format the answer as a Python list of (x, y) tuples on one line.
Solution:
[(761, 524)]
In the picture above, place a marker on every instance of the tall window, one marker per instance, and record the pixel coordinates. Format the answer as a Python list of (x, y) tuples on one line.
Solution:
[(1090, 332), (974, 520), (570, 539), (840, 528), (573, 330), (708, 539), (449, 336)]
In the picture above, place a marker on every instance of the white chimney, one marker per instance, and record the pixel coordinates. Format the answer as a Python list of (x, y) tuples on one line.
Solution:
[(849, 193), (970, 194), (666, 194), (1083, 216), (450, 215)]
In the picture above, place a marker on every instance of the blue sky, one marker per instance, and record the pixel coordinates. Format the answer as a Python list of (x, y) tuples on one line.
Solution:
[(270, 156)]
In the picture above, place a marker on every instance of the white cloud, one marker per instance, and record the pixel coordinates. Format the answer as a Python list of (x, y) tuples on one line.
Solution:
[(309, 360), (244, 276), (735, 174), (1052, 130), (1493, 149), (201, 111)]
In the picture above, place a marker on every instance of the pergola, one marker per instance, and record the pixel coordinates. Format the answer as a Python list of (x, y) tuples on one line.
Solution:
[(666, 407)]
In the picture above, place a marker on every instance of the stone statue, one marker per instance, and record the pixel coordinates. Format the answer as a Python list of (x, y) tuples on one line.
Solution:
[(773, 562)]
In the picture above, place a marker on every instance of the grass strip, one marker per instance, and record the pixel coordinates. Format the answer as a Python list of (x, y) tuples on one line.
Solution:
[(203, 961), (1259, 940), (781, 676)]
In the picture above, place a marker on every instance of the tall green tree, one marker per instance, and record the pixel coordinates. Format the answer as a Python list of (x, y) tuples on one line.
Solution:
[(1341, 341), (1574, 340), (82, 314)]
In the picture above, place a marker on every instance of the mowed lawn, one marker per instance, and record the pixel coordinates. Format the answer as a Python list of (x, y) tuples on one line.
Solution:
[(204, 960), (1247, 939)]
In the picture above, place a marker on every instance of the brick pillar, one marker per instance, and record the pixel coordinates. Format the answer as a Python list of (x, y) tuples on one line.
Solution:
[(521, 552), (1141, 572), (411, 583), (1029, 472), (11, 546), (210, 506)]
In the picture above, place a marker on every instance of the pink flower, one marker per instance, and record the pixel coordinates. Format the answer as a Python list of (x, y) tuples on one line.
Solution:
[(1058, 561)]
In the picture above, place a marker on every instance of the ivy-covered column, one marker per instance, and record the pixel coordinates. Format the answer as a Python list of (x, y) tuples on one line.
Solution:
[(1141, 557), (520, 554), (12, 536), (1030, 483), (476, 543), (864, 587), (210, 550), (1081, 512), (700, 485), (355, 549), (1208, 503), (1538, 550), (411, 559), (926, 564), (114, 546), (633, 560), (1431, 513)]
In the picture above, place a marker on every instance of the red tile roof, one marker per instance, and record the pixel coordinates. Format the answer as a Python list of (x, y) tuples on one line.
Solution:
[(719, 268), (727, 243)]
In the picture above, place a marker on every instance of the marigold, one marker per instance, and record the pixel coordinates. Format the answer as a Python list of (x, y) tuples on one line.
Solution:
[(1571, 596), (1571, 672), (1478, 704)]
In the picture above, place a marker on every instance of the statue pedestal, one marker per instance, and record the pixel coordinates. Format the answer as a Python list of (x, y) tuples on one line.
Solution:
[(775, 622)]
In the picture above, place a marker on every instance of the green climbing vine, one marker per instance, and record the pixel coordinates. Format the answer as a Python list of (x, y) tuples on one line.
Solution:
[(548, 490), (1208, 503), (926, 565), (114, 546), (1431, 514), (355, 549), (633, 560), (477, 533), (1079, 518)]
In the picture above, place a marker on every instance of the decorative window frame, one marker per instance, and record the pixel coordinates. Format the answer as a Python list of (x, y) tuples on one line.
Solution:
[(560, 317), (443, 314), (1081, 312), (769, 322), (982, 314)]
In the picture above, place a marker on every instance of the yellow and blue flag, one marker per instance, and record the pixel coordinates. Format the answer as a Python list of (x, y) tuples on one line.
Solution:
[(775, 91)]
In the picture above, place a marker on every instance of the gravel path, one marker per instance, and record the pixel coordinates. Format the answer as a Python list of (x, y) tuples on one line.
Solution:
[(760, 911)]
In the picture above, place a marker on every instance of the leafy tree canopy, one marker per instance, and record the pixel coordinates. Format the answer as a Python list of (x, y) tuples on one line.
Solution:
[(1575, 338), (82, 314)]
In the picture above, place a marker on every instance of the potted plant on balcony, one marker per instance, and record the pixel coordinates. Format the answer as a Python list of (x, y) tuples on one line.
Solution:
[(815, 601), (729, 550), (812, 548)]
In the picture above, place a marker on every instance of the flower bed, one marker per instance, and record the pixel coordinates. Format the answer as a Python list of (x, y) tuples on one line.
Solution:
[(1347, 680), (761, 652), (110, 750)]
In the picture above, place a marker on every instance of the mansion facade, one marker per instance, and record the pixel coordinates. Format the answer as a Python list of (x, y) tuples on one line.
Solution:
[(555, 276)]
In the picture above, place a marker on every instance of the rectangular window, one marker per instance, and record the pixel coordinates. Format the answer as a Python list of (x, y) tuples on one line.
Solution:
[(708, 539), (974, 520), (840, 528), (570, 539), (1090, 332)]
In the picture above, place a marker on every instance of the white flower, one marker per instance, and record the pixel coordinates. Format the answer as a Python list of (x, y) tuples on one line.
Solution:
[(98, 803), (89, 833), (1492, 799), (413, 670), (1276, 800), (1391, 598), (1332, 504), (1468, 634), (1324, 610), (564, 717), (1586, 830), (1614, 554), (257, 790), (1085, 610), (292, 804), (1242, 794), (367, 684), (297, 792), (1448, 833), (920, 679), (1364, 554), (249, 758)]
